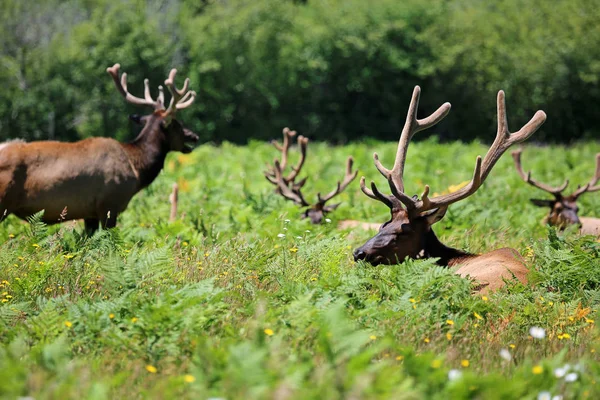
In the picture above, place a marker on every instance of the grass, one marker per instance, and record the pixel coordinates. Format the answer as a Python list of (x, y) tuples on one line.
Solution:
[(215, 304)]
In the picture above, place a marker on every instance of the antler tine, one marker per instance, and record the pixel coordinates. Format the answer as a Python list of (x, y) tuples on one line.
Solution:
[(392, 202), (527, 176), (348, 177), (504, 139), (589, 187), (180, 98), (284, 190), (411, 126), (303, 144), (122, 88), (287, 136)]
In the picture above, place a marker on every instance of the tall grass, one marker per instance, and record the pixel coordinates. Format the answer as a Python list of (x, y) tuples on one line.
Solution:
[(216, 304)]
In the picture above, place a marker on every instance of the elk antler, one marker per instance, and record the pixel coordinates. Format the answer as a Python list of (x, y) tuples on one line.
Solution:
[(157, 104), (180, 98), (348, 177), (414, 206), (527, 177), (589, 187), (287, 142), (287, 185)]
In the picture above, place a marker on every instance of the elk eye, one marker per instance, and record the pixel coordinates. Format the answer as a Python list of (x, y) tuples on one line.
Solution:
[(406, 228)]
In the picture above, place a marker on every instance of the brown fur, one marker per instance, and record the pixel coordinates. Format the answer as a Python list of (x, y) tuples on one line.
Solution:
[(490, 270), (590, 226), (349, 223), (94, 178)]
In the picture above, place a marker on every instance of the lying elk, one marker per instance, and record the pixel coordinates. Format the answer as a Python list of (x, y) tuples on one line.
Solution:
[(564, 209), (94, 179), (287, 186), (408, 233)]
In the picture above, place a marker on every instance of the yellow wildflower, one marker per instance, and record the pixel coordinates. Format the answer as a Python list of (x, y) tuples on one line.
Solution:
[(449, 322), (373, 337), (189, 378), (294, 249), (151, 368), (449, 336), (464, 363), (111, 315), (36, 245), (412, 300), (399, 358), (436, 363), (10, 235), (477, 315), (426, 340), (484, 298), (589, 321), (512, 346), (68, 324), (134, 320), (537, 369), (269, 332)]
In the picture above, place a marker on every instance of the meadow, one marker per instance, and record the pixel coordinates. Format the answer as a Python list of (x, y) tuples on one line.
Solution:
[(240, 299)]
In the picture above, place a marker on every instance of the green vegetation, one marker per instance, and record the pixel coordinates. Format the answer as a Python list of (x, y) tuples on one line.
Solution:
[(216, 304), (335, 69)]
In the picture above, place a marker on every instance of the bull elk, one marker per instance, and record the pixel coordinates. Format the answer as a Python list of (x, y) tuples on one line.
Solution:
[(563, 209), (290, 189), (94, 179), (408, 233)]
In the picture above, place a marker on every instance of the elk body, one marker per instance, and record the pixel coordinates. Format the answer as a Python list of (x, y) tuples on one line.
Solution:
[(289, 188), (93, 179), (409, 232), (563, 208)]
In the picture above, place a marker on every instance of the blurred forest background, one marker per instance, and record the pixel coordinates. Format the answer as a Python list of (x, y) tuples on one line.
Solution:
[(335, 70)]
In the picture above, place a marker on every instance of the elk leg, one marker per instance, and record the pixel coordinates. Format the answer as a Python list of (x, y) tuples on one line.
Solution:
[(110, 220), (91, 226)]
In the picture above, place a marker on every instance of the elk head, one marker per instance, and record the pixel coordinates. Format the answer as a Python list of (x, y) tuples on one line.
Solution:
[(408, 233), (563, 209), (177, 137), (287, 186)]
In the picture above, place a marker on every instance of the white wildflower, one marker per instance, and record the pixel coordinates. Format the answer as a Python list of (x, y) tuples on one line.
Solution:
[(327, 220), (505, 354), (537, 333), (557, 397), (281, 235), (307, 231), (572, 377), (287, 221), (454, 374), (544, 396), (560, 372), (298, 237)]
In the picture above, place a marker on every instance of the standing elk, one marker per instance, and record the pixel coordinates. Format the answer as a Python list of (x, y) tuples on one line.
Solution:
[(287, 186), (94, 179), (409, 234), (563, 209)]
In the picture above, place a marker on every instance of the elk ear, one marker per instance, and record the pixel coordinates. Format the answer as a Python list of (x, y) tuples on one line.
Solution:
[(435, 215), (543, 203)]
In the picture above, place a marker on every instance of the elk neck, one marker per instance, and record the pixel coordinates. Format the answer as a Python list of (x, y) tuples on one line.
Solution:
[(448, 256), (147, 152)]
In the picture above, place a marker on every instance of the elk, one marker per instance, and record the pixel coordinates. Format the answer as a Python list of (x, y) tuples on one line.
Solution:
[(290, 189), (563, 209), (409, 232), (94, 179)]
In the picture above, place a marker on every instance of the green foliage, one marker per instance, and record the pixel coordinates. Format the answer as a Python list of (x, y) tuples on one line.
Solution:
[(223, 307), (336, 70)]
